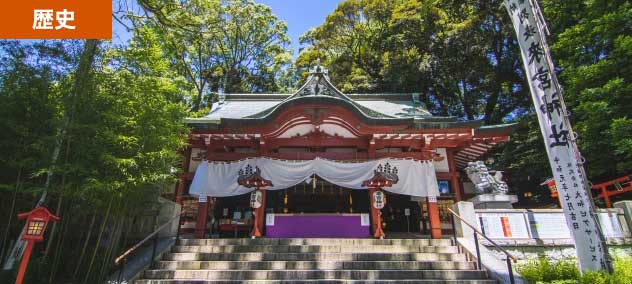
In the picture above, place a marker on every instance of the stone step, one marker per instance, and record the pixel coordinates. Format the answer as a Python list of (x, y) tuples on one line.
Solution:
[(307, 265), (266, 241), (314, 274), (327, 281), (264, 256), (314, 248), (314, 261)]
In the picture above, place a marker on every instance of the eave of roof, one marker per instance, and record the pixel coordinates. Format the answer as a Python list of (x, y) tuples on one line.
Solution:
[(373, 109), (445, 122), (358, 110), (502, 129)]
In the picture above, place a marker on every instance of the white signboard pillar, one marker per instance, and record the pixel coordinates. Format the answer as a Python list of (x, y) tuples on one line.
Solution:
[(559, 139)]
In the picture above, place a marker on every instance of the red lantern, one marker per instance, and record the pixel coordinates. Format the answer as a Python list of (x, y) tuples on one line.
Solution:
[(36, 222)]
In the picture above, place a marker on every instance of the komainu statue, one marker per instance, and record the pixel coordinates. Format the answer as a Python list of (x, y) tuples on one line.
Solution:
[(483, 179)]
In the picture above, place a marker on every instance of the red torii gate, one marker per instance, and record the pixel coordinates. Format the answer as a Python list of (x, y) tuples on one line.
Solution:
[(613, 187), (609, 188)]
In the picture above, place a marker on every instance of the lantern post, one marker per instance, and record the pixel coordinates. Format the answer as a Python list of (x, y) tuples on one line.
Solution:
[(252, 178), (383, 176), (36, 222)]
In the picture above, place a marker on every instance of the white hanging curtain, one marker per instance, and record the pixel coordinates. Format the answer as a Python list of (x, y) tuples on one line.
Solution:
[(219, 179)]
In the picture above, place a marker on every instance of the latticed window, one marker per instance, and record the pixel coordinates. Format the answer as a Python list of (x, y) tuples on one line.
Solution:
[(35, 228)]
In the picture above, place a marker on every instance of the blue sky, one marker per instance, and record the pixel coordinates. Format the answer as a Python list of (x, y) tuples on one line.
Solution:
[(300, 16)]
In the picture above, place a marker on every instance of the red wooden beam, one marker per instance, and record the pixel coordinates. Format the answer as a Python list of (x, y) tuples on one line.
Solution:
[(361, 143), (231, 156), (621, 185), (614, 192), (622, 179)]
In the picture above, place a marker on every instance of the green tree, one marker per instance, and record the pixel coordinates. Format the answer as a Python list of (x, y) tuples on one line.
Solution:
[(592, 45), (28, 116), (119, 147), (458, 55), (594, 53), (237, 45)]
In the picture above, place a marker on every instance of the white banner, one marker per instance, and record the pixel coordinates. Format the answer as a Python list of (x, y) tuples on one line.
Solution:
[(219, 179), (559, 140)]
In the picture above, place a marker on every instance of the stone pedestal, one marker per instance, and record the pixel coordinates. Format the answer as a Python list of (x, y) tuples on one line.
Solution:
[(493, 201), (465, 209), (626, 205)]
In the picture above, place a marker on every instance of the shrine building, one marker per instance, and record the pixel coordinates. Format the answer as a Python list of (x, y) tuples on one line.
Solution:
[(326, 164)]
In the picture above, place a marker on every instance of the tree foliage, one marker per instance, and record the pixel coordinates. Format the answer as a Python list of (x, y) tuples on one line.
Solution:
[(237, 45), (118, 148), (592, 45), (594, 52), (459, 55), (462, 57)]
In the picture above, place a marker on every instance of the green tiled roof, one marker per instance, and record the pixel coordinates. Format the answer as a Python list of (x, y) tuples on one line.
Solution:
[(384, 108)]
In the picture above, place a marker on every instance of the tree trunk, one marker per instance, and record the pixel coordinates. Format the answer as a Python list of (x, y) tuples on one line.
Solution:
[(10, 217), (85, 246), (114, 240), (198, 100), (59, 202), (96, 245), (491, 106), (59, 248), (54, 228), (82, 76)]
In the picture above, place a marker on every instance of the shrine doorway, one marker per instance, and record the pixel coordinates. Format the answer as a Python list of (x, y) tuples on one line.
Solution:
[(232, 217), (317, 196), (317, 209), (401, 215), (316, 203)]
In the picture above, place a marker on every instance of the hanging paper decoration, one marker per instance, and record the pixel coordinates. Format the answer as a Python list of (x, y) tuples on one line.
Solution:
[(408, 177)]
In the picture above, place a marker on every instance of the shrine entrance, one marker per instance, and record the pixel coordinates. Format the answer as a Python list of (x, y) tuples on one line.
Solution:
[(401, 215), (314, 198), (232, 217), (317, 199), (319, 209), (317, 196)]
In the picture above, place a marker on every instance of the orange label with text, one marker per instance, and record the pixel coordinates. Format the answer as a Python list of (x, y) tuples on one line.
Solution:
[(506, 227), (56, 19)]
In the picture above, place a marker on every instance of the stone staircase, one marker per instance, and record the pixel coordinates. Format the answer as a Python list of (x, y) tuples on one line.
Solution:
[(193, 261)]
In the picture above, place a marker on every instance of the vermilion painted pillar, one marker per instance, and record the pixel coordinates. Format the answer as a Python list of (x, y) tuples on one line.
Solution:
[(454, 180), (606, 197), (200, 226), (257, 228), (376, 217), (371, 149), (433, 215), (25, 261), (182, 180)]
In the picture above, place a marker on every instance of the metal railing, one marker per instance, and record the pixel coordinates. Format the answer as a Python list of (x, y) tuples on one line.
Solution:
[(509, 258), (122, 259)]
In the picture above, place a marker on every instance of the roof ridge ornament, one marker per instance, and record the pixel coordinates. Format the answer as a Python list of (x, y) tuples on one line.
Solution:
[(319, 69), (317, 83)]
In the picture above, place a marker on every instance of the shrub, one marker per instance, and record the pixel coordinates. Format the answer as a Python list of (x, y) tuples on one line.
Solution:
[(544, 271)]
